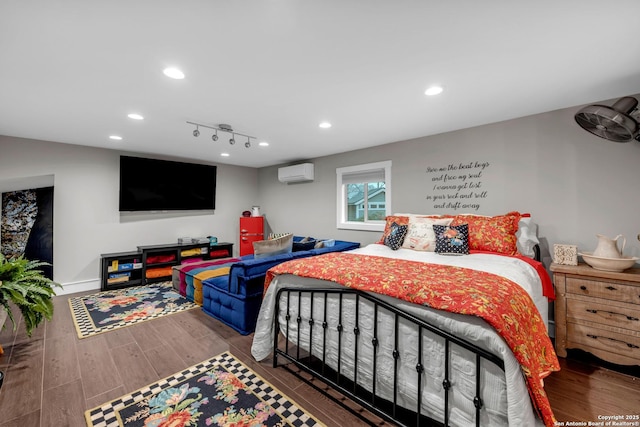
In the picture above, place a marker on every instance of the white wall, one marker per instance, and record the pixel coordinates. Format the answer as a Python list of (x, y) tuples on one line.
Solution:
[(86, 218), (573, 183)]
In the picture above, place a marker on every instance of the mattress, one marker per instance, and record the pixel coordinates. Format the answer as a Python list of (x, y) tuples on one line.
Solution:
[(505, 393)]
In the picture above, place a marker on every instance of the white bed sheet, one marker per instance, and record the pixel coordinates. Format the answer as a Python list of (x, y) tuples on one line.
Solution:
[(505, 395)]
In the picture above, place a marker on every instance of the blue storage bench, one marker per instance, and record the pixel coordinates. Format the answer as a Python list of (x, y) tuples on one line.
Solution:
[(235, 299)]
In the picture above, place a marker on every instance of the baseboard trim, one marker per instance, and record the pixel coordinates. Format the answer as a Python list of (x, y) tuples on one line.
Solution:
[(81, 286)]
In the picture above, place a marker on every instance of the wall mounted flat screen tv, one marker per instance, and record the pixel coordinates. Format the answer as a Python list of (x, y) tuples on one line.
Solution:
[(162, 185)]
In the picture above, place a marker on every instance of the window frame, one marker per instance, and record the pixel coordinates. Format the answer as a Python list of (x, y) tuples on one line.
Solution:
[(341, 221)]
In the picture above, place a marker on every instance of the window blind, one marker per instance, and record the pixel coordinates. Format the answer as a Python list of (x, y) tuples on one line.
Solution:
[(374, 175)]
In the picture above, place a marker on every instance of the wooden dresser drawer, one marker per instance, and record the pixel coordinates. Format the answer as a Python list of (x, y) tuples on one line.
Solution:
[(603, 289), (620, 315), (613, 343)]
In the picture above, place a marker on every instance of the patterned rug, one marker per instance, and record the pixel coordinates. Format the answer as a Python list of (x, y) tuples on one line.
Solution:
[(109, 310), (218, 392)]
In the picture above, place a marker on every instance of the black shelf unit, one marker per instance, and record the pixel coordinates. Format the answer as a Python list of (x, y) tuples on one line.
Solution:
[(150, 257), (169, 255), (121, 270)]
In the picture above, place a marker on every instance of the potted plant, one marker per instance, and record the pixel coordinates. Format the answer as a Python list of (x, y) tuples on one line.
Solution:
[(23, 285)]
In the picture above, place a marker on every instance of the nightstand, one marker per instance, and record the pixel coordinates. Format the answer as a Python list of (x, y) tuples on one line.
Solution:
[(598, 311)]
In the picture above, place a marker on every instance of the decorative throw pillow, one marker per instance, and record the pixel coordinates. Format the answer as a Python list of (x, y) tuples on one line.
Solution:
[(304, 244), (452, 239), (398, 219), (396, 236), (271, 247), (492, 233), (420, 235), (272, 236)]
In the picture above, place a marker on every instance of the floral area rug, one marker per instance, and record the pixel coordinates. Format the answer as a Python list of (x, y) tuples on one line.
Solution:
[(109, 310), (218, 392)]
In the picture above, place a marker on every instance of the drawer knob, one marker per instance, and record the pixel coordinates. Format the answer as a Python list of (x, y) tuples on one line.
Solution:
[(614, 313), (595, 337), (583, 287), (611, 288)]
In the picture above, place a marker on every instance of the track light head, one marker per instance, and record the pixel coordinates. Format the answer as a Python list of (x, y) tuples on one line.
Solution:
[(247, 144), (215, 136), (196, 132), (232, 140)]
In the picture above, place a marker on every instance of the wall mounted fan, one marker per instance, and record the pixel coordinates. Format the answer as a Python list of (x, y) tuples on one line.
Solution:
[(613, 123)]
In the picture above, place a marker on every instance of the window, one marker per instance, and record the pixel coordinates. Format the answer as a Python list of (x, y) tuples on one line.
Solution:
[(364, 196)]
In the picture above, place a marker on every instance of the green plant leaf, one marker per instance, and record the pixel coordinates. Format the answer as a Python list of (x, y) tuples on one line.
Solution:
[(25, 285)]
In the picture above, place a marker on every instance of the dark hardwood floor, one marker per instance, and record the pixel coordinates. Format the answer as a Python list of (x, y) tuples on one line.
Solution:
[(53, 377)]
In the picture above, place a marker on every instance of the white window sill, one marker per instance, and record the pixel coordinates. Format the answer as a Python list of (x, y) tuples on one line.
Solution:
[(361, 226)]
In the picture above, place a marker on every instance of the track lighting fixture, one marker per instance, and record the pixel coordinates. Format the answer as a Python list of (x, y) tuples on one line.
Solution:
[(222, 128)]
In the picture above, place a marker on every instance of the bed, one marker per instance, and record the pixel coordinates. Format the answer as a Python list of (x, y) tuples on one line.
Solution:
[(411, 361)]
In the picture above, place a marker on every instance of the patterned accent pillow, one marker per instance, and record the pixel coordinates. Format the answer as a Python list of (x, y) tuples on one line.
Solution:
[(396, 236), (398, 219), (492, 233), (273, 236), (452, 239), (420, 235)]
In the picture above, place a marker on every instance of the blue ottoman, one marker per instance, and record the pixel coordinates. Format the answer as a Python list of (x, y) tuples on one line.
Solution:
[(237, 310)]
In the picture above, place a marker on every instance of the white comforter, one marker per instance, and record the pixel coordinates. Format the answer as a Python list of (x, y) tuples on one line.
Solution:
[(505, 395)]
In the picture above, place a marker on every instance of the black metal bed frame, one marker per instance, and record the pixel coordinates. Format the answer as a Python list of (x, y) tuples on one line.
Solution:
[(389, 410)]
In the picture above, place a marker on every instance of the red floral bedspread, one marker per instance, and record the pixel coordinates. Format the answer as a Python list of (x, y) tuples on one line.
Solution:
[(502, 303)]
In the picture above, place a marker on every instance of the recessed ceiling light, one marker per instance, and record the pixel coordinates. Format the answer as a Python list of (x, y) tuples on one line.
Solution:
[(115, 137), (263, 144), (433, 90), (224, 154), (135, 116), (174, 73), (325, 125)]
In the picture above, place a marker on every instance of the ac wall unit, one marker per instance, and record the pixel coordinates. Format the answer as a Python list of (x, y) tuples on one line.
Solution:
[(296, 173)]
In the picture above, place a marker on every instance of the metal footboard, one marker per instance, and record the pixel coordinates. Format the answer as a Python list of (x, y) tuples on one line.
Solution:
[(314, 360)]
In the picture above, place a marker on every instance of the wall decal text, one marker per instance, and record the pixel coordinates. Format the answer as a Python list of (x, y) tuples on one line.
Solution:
[(458, 185)]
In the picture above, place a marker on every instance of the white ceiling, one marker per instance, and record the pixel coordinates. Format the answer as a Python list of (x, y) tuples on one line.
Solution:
[(71, 70)]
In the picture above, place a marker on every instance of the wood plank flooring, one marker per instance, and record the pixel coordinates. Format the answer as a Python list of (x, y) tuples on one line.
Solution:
[(53, 377)]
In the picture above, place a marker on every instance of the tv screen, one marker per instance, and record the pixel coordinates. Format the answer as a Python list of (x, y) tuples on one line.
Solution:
[(162, 185)]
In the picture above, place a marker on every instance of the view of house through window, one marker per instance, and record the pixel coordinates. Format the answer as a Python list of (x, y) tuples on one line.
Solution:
[(364, 196), (366, 201)]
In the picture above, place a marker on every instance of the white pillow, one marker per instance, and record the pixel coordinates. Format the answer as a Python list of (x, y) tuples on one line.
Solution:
[(420, 235), (527, 237)]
